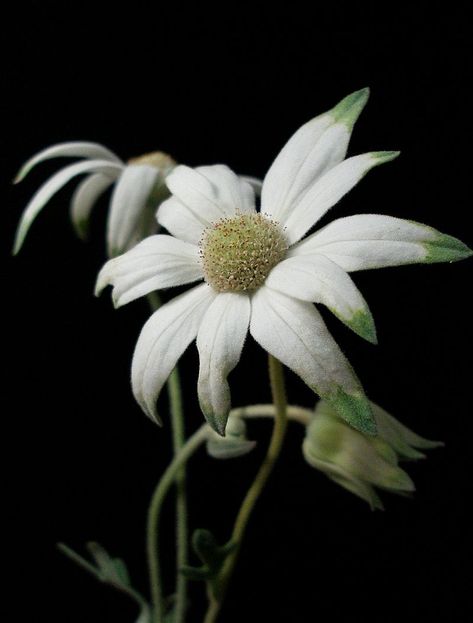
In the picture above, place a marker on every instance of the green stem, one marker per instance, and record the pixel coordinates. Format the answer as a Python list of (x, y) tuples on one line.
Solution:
[(178, 439), (167, 480), (276, 376)]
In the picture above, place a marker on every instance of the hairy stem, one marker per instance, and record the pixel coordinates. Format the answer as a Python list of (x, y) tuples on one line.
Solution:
[(178, 438), (276, 376), (167, 480)]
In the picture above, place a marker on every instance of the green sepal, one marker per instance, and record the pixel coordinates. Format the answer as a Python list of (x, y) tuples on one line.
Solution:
[(355, 409), (349, 109)]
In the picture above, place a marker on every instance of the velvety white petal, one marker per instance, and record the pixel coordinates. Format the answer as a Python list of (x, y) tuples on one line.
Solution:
[(53, 185), (84, 199), (374, 241), (128, 206), (328, 190), (317, 279), (201, 197), (181, 222), (162, 341), (293, 331), (255, 182), (314, 149), (233, 193), (220, 341), (157, 262), (68, 150)]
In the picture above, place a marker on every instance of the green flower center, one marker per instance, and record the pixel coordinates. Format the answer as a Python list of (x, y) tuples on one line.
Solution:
[(238, 253)]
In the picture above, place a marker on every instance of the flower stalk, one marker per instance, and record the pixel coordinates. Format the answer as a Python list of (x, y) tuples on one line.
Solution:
[(276, 376)]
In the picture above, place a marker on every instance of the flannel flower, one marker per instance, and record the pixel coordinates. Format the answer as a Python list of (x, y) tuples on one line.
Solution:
[(139, 188), (359, 462), (262, 275)]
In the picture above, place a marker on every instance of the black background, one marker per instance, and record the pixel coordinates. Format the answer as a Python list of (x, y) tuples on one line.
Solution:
[(231, 85)]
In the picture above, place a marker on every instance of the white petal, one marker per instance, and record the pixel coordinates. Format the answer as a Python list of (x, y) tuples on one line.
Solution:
[(163, 339), (55, 183), (373, 241), (293, 331), (128, 205), (314, 149), (255, 182), (233, 193), (68, 150), (202, 196), (181, 222), (220, 342), (317, 279), (328, 190), (157, 262), (84, 199)]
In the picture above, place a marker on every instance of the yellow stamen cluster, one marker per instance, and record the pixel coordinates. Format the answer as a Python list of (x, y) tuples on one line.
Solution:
[(158, 159), (238, 253)]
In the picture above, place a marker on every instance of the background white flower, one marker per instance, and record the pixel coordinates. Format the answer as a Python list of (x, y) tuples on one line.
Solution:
[(260, 276), (139, 188)]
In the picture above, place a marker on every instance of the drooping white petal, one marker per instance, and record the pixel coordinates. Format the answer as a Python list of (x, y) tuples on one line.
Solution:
[(157, 262), (163, 339), (317, 279), (128, 205), (68, 150), (84, 199), (314, 149), (220, 342), (53, 185), (328, 190), (233, 193), (368, 241), (294, 332)]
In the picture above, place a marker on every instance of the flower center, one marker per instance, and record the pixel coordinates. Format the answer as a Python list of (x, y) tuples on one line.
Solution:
[(238, 253)]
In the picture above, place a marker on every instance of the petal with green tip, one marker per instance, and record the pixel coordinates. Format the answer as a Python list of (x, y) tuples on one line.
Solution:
[(314, 149), (366, 241), (163, 339), (220, 340), (319, 280), (328, 190), (293, 331)]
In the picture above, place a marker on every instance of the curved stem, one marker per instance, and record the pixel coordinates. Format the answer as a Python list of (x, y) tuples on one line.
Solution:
[(297, 414), (178, 438), (154, 512), (276, 376)]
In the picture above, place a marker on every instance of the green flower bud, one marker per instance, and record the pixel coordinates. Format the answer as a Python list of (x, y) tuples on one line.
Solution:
[(360, 462), (233, 444)]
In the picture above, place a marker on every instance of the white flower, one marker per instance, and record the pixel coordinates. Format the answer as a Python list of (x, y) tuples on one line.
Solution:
[(260, 276), (139, 188)]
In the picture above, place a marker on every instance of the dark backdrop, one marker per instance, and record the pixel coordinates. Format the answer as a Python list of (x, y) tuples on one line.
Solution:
[(231, 85)]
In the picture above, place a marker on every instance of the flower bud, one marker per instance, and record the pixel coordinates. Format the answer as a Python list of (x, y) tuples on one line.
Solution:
[(233, 444), (360, 462)]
